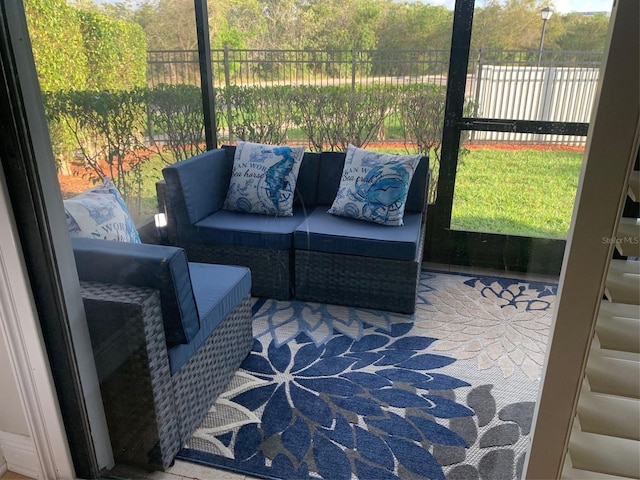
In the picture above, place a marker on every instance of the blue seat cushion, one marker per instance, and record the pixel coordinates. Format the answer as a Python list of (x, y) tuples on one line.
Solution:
[(249, 229), (218, 289), (159, 267), (323, 232)]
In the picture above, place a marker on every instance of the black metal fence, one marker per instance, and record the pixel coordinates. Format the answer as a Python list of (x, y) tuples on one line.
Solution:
[(516, 84), (325, 67), (300, 67)]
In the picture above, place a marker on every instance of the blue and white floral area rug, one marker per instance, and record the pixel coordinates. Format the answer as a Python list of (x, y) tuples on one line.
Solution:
[(344, 393)]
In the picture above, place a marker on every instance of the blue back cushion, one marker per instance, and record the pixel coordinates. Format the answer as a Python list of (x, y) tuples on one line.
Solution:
[(218, 290), (417, 197), (198, 186), (329, 175), (307, 180), (154, 266)]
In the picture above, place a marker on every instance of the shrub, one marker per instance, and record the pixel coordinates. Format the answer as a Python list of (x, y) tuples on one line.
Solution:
[(421, 108), (258, 114), (108, 129), (56, 41), (332, 117), (116, 52), (75, 50), (176, 112)]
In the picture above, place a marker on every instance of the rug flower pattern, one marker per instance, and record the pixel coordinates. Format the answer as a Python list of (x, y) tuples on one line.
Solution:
[(501, 322), (336, 392)]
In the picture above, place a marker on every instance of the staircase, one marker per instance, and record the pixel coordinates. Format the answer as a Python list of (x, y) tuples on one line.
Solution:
[(605, 438)]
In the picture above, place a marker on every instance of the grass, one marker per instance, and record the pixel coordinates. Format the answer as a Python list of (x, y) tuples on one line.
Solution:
[(147, 206), (519, 192)]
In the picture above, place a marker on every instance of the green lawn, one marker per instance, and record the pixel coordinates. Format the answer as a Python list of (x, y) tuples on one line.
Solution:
[(521, 192)]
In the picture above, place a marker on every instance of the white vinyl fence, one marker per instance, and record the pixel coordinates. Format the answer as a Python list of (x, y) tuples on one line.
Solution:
[(556, 94)]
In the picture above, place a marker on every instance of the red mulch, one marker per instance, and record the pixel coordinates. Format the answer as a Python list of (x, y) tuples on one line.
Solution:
[(543, 147), (73, 184), (496, 146), (79, 180)]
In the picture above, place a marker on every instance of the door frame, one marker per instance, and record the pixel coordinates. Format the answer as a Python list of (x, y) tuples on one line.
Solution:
[(34, 194)]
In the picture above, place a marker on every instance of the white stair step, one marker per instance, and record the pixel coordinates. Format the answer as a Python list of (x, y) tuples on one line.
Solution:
[(634, 186), (628, 237), (618, 326), (604, 454), (608, 414), (614, 376), (623, 282)]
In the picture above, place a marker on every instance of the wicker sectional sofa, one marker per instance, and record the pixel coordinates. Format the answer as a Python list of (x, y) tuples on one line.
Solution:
[(167, 336), (311, 255)]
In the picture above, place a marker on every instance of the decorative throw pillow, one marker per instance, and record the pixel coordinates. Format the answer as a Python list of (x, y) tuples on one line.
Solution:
[(264, 179), (100, 212), (374, 186)]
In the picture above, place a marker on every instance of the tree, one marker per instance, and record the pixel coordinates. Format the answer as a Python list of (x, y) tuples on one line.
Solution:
[(360, 24), (233, 23), (512, 25), (280, 25), (413, 25), (343, 25), (584, 32), (177, 27), (170, 24)]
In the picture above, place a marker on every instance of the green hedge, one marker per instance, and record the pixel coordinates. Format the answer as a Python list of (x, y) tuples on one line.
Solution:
[(329, 117), (80, 50), (115, 132), (256, 114), (116, 52), (335, 116), (175, 115), (57, 43)]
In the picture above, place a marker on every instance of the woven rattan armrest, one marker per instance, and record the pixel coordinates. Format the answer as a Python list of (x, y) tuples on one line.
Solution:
[(126, 329)]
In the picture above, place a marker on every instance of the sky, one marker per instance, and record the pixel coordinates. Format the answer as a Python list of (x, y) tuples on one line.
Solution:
[(561, 6), (566, 6)]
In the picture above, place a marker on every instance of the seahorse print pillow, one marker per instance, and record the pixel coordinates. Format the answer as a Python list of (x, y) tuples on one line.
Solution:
[(100, 212), (263, 179), (374, 186)]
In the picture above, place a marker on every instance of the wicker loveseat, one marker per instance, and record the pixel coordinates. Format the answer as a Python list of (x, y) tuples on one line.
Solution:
[(167, 337), (311, 255)]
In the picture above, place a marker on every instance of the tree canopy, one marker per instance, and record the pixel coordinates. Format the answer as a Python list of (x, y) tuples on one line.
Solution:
[(347, 24)]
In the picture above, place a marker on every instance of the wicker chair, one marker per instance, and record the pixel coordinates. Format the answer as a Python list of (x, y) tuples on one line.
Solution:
[(156, 392), (192, 196)]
